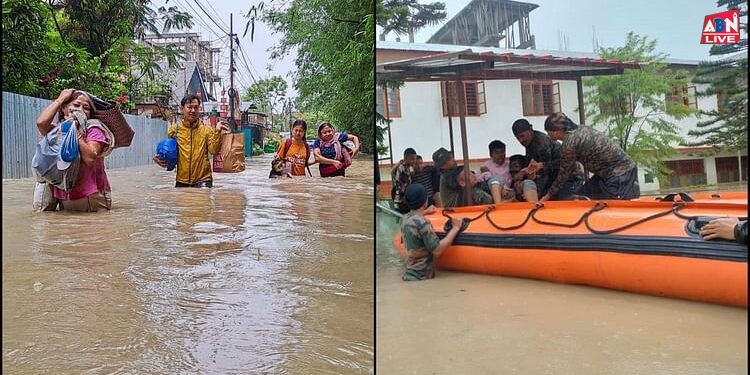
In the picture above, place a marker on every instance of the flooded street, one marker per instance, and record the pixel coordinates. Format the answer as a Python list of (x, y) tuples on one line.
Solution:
[(460, 323), (253, 276)]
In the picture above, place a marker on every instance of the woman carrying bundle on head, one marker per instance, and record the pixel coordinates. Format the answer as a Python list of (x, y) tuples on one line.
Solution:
[(91, 190)]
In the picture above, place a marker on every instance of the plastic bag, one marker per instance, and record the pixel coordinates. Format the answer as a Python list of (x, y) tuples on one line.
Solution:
[(69, 146), (166, 150)]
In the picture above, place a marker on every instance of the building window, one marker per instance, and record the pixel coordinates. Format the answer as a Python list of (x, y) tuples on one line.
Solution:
[(721, 102), (686, 173), (648, 178), (475, 101), (685, 95), (394, 101), (618, 105), (728, 169), (540, 98)]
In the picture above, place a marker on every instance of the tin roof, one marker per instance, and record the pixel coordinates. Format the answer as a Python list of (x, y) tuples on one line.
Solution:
[(440, 62)]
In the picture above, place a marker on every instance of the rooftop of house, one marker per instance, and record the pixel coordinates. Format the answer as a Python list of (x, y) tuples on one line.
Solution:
[(442, 48)]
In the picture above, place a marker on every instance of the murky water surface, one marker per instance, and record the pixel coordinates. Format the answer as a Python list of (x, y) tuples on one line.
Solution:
[(254, 276), (460, 323)]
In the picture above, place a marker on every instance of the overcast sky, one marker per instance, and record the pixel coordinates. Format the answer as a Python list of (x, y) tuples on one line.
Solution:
[(256, 62), (675, 24)]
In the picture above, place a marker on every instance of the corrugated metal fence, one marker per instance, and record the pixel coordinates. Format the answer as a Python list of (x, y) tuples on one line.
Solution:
[(20, 136)]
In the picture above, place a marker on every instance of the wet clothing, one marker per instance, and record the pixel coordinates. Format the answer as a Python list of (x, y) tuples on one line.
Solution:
[(328, 150), (296, 157), (91, 203), (91, 179), (545, 150), (452, 194), (194, 143), (420, 241), (740, 232), (428, 178), (204, 184), (601, 156), (614, 187), (401, 179)]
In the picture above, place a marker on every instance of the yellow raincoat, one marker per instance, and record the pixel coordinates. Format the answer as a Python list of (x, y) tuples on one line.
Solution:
[(194, 142)]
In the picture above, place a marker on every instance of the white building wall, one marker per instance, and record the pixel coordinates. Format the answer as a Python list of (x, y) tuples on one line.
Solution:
[(423, 127)]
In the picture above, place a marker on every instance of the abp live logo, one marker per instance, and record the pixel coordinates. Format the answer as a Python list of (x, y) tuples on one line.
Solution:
[(721, 28)]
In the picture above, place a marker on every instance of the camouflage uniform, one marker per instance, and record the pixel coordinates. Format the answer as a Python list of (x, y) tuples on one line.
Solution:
[(545, 150), (601, 156), (401, 178), (452, 195), (420, 241)]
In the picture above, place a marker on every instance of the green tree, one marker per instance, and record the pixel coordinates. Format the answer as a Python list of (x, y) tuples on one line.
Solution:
[(99, 25), (335, 51), (269, 95), (631, 107), (49, 46), (725, 126), (406, 17), (26, 56)]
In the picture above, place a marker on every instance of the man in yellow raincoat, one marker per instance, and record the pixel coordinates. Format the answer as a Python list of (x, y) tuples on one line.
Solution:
[(195, 141)]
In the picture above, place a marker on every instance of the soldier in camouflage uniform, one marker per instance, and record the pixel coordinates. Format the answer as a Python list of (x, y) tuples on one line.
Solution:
[(614, 173), (544, 155), (421, 242), (451, 191)]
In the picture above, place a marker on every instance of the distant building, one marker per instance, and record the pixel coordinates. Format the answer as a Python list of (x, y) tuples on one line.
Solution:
[(489, 23), (193, 49), (184, 80)]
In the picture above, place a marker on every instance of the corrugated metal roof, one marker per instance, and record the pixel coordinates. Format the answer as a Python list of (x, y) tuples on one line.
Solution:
[(493, 63)]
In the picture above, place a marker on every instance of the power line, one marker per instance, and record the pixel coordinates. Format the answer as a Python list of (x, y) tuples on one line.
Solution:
[(247, 64), (200, 19), (209, 17), (217, 15)]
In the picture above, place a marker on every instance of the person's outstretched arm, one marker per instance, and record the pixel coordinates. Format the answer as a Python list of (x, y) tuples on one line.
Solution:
[(728, 228)]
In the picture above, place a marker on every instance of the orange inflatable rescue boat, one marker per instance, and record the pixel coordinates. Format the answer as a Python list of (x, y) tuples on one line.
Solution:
[(649, 246)]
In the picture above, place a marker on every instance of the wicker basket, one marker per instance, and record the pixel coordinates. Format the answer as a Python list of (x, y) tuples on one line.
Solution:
[(108, 112)]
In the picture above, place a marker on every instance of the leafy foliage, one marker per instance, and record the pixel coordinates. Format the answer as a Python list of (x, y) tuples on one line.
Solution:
[(27, 59), (726, 126), (406, 17), (335, 51), (631, 107), (49, 46), (269, 95)]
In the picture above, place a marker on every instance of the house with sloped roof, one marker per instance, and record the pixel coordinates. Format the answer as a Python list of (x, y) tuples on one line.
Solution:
[(501, 85)]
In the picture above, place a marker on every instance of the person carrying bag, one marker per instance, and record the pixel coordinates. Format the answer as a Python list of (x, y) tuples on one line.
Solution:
[(77, 178), (334, 157)]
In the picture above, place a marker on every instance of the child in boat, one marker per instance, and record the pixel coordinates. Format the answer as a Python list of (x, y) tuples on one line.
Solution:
[(421, 242), (523, 181)]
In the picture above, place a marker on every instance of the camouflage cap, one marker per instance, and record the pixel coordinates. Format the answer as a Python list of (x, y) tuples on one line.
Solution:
[(440, 156)]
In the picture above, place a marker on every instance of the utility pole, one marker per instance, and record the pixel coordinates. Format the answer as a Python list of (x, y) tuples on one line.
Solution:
[(289, 108), (232, 91)]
